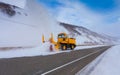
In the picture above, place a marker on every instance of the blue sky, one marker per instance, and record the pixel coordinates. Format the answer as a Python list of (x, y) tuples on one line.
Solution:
[(95, 5), (98, 15), (100, 5), (51, 3)]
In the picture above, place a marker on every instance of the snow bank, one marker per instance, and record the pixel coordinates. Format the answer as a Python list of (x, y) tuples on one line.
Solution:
[(27, 52), (106, 64), (85, 47), (36, 51)]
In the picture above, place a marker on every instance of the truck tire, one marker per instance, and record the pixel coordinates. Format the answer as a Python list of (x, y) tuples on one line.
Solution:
[(72, 47), (64, 47)]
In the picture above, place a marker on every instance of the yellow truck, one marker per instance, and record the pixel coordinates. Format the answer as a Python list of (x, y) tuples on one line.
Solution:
[(64, 42)]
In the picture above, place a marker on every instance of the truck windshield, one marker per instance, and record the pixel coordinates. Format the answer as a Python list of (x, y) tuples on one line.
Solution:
[(61, 36)]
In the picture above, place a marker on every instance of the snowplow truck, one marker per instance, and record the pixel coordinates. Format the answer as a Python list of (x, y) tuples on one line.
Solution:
[(63, 42)]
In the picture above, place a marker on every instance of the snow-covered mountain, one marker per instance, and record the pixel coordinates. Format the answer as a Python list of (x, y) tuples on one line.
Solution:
[(86, 36)]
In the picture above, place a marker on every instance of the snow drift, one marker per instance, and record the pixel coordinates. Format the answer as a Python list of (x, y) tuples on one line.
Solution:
[(27, 52)]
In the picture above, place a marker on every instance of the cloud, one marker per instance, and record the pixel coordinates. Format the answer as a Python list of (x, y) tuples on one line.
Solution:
[(77, 13), (119, 19)]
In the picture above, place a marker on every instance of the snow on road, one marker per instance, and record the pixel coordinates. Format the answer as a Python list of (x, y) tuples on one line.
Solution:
[(106, 64)]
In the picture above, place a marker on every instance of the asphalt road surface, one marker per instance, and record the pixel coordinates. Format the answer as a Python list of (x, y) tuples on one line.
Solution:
[(67, 63)]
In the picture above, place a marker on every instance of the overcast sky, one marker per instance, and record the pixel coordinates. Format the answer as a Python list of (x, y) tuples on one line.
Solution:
[(98, 15)]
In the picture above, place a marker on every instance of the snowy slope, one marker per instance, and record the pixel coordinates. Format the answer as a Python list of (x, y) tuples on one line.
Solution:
[(106, 64), (18, 3), (25, 26), (86, 36)]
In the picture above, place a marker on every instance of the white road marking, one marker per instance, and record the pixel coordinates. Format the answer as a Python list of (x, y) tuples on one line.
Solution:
[(67, 63)]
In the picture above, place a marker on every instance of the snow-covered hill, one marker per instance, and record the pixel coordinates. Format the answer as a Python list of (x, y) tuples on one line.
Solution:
[(24, 26), (86, 36)]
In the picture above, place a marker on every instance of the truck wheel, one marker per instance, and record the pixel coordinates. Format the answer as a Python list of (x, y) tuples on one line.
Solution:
[(72, 47), (64, 47)]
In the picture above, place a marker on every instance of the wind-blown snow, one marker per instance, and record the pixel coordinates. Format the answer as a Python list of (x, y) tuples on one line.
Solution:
[(26, 27), (108, 65)]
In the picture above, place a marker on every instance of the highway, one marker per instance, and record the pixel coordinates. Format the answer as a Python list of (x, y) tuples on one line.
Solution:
[(66, 63)]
